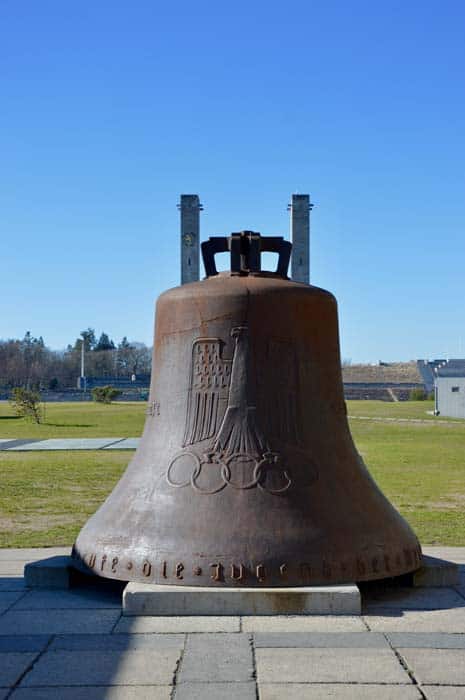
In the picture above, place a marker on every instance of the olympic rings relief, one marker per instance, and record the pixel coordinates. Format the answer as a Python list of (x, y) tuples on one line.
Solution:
[(261, 469)]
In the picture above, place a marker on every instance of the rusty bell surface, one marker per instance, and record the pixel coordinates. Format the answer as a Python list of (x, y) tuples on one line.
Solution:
[(246, 474)]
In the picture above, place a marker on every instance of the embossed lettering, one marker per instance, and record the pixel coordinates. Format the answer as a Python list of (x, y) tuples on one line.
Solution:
[(237, 572), (218, 573), (102, 564), (114, 562), (129, 565), (178, 570), (163, 570), (91, 560), (197, 571), (260, 572), (283, 570), (146, 568)]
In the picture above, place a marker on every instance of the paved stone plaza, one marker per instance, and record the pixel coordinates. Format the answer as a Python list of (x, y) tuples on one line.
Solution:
[(53, 444), (75, 644)]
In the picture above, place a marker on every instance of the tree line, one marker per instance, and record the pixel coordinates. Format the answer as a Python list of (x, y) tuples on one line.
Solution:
[(29, 363)]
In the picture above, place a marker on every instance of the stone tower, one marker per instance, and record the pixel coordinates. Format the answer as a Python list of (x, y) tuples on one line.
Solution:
[(300, 208), (190, 208)]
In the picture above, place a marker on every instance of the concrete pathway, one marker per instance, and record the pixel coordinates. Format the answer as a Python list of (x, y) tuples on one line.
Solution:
[(29, 445), (75, 644)]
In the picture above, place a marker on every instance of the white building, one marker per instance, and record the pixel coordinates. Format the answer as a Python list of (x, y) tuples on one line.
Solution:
[(449, 389)]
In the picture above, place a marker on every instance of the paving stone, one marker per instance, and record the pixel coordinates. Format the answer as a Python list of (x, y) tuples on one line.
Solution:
[(436, 665), (329, 666), (157, 599), (443, 692), (301, 623), (177, 624), (26, 622), (456, 554), (340, 691), (116, 642), (13, 665), (126, 444), (127, 692), (148, 667), (417, 621), (217, 691), (12, 568), (424, 640), (9, 444), (12, 583), (78, 598), (32, 553), (217, 657), (35, 642), (66, 444), (413, 599), (360, 640), (8, 599)]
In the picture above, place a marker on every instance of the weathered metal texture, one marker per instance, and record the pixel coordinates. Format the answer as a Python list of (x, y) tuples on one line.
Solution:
[(247, 473)]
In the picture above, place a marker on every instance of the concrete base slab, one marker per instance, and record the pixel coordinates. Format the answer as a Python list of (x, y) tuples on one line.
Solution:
[(153, 599), (436, 572), (54, 572)]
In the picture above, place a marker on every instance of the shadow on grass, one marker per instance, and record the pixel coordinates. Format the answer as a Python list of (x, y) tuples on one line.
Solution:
[(10, 417), (70, 425)]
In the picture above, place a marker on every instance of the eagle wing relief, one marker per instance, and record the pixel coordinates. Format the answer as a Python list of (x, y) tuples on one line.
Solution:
[(208, 390)]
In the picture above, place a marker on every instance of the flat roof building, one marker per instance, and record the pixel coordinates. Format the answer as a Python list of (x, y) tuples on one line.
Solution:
[(449, 389)]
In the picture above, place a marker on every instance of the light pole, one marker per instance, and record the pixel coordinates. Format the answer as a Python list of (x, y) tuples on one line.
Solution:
[(83, 376)]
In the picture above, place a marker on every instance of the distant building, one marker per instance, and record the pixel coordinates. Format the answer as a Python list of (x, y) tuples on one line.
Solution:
[(427, 370), (449, 389)]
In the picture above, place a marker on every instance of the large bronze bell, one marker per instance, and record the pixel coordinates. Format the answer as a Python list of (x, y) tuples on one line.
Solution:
[(246, 474)]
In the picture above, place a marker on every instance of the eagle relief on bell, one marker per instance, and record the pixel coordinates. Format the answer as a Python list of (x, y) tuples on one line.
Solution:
[(246, 474)]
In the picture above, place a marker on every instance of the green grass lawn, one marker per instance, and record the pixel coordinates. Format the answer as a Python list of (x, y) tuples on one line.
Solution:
[(77, 419), (399, 409), (47, 496), (421, 469)]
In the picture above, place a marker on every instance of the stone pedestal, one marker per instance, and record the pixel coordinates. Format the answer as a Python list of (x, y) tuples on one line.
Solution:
[(150, 599), (54, 572)]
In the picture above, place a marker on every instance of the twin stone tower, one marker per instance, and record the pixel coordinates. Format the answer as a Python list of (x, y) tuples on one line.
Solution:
[(299, 207)]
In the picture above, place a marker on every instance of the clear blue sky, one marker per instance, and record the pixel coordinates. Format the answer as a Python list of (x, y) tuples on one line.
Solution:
[(109, 110)]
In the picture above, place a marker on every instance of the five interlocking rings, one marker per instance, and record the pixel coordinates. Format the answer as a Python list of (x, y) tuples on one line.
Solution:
[(269, 459)]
